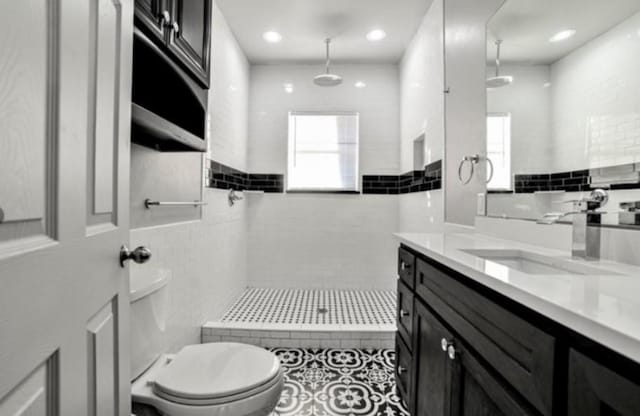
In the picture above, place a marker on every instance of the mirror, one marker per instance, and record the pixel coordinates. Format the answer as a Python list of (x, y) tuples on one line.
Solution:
[(563, 106)]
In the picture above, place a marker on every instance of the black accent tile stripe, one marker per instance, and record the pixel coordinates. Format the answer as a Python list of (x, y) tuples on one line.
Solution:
[(571, 181), (428, 179), (225, 177)]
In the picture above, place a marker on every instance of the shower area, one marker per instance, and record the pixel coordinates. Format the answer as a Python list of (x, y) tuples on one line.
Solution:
[(308, 318), (320, 273)]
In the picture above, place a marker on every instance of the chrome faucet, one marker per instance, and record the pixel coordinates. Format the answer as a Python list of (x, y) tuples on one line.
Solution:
[(586, 222)]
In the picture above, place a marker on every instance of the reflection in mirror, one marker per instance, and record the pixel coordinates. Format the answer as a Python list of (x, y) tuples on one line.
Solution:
[(563, 106)]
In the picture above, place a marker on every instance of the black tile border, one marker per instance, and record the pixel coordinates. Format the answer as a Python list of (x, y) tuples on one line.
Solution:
[(571, 181), (221, 176), (428, 179), (311, 191)]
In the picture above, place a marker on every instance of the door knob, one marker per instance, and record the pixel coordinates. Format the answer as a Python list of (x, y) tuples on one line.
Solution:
[(139, 255)]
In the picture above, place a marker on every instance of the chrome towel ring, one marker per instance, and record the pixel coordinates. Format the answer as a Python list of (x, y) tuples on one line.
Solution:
[(473, 161)]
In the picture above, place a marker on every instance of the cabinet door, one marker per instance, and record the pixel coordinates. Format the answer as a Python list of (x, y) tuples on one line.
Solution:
[(190, 37), (433, 375), (405, 314), (477, 392), (404, 372), (406, 267), (596, 390), (154, 15)]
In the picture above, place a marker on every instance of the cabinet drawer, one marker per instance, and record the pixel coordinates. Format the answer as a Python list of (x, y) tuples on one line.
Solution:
[(404, 313), (521, 353), (404, 371), (595, 390), (406, 267)]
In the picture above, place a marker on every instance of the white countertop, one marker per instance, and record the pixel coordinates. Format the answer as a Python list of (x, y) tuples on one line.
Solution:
[(603, 307)]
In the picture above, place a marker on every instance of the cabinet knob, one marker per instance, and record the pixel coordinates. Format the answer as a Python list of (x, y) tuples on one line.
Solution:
[(403, 265), (445, 344), (401, 370), (404, 313), (165, 18), (451, 352), (175, 26)]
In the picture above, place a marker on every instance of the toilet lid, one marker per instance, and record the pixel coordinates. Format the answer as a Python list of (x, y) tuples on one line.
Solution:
[(217, 370)]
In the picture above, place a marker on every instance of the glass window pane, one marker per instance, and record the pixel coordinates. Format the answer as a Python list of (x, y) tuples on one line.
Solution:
[(499, 150), (323, 151)]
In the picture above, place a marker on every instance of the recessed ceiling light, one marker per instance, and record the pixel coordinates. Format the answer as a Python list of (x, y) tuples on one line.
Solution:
[(288, 88), (376, 35), (272, 37), (562, 35), (360, 84)]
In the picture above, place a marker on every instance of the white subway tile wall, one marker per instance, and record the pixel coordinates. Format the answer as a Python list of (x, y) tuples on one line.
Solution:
[(422, 109), (595, 102), (206, 257)]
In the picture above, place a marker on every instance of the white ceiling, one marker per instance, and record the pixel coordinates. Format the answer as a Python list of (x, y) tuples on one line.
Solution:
[(304, 24), (526, 26)]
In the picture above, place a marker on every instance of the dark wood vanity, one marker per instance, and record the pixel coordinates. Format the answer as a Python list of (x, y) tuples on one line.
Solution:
[(464, 349)]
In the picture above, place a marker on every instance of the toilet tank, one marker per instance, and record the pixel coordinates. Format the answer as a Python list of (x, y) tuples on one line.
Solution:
[(149, 299)]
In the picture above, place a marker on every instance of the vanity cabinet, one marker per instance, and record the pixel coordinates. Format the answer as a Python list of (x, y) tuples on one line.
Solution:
[(183, 29), (596, 390), (475, 352)]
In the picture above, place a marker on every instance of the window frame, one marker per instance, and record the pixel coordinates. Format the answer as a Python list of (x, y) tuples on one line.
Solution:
[(290, 153), (503, 114)]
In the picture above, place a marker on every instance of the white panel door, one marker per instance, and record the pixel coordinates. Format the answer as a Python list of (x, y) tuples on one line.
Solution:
[(65, 88)]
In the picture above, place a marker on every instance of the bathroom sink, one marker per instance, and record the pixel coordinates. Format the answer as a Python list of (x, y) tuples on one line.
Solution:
[(532, 263)]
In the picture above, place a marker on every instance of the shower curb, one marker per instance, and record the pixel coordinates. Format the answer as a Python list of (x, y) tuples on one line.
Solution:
[(300, 335)]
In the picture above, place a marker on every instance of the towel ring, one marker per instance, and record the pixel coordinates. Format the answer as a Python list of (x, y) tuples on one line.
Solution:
[(473, 160)]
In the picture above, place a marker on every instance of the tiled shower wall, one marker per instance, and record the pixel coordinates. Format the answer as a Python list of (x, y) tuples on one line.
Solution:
[(422, 114), (323, 240)]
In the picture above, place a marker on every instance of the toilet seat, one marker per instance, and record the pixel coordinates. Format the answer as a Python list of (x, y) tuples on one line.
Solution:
[(217, 373)]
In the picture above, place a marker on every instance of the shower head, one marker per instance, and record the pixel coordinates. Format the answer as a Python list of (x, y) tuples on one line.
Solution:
[(498, 81), (327, 79)]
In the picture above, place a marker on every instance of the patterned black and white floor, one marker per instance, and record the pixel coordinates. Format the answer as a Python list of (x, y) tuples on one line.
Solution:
[(336, 382)]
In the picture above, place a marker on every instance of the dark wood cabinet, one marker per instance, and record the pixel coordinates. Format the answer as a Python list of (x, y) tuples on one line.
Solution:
[(475, 391), (191, 36), (406, 267), (154, 15), (433, 371), (595, 390), (405, 313), (404, 372), (183, 29), (475, 352)]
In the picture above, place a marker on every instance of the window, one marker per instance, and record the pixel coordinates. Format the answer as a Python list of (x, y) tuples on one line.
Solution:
[(499, 150), (323, 151)]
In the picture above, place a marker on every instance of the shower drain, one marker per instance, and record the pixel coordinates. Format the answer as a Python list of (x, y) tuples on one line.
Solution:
[(322, 311)]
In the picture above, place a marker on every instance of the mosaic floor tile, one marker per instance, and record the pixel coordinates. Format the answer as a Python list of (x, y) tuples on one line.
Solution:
[(297, 306), (336, 382)]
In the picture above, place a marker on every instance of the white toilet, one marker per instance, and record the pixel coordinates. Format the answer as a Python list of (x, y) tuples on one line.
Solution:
[(216, 379)]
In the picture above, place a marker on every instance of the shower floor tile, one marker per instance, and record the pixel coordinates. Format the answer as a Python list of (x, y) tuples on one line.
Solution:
[(313, 307), (334, 382)]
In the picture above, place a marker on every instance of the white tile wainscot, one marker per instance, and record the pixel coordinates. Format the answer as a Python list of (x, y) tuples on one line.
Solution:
[(301, 335)]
